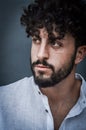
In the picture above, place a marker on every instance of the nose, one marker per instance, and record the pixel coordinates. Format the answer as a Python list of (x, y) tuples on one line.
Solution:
[(43, 52)]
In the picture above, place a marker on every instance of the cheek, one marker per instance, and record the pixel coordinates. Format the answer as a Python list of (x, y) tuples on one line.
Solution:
[(33, 53), (58, 60)]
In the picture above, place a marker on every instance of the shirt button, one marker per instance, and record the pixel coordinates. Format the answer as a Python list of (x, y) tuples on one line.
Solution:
[(46, 110), (84, 102), (39, 92)]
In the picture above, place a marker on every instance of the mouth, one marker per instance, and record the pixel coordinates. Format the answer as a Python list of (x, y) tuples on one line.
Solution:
[(41, 67)]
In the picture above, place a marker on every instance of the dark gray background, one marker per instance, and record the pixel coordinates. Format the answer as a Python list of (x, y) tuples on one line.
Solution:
[(14, 45)]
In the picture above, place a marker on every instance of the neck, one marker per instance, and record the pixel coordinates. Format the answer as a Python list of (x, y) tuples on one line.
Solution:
[(68, 88)]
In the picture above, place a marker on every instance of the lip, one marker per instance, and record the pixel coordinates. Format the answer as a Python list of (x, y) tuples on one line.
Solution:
[(41, 67)]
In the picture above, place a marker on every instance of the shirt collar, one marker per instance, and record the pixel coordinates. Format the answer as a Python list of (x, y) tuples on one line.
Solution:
[(81, 103)]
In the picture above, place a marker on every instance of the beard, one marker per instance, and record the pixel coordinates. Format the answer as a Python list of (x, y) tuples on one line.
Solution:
[(56, 76)]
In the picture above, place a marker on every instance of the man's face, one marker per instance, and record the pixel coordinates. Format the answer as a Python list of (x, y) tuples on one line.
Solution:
[(51, 60)]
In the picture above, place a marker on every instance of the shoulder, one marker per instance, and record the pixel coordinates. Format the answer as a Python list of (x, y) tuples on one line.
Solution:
[(20, 85), (83, 85), (18, 91)]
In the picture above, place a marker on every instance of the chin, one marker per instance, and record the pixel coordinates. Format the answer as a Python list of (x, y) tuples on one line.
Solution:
[(44, 81)]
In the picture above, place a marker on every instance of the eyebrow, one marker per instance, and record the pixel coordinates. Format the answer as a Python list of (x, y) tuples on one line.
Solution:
[(35, 35), (51, 37), (56, 38)]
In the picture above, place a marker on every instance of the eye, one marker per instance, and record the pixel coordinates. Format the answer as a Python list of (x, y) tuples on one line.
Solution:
[(35, 40), (56, 44)]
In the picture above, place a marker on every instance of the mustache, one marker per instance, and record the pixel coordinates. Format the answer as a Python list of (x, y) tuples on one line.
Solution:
[(44, 63)]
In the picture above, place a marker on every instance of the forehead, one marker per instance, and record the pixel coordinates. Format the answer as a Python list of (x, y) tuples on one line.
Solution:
[(42, 32)]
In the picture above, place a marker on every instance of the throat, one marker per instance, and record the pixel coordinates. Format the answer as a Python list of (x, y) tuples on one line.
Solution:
[(63, 91), (61, 101), (60, 110)]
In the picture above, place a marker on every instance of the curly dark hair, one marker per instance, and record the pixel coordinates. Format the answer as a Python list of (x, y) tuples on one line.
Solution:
[(67, 16)]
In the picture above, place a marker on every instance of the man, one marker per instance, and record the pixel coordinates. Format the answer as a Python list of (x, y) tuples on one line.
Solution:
[(54, 98)]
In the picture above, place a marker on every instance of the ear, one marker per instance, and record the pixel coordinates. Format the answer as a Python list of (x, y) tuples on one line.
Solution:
[(81, 54)]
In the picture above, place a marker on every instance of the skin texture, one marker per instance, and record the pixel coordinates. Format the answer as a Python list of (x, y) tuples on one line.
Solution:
[(55, 60), (58, 31), (58, 58)]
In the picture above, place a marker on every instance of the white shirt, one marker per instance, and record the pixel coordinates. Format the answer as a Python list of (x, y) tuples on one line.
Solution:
[(24, 107)]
